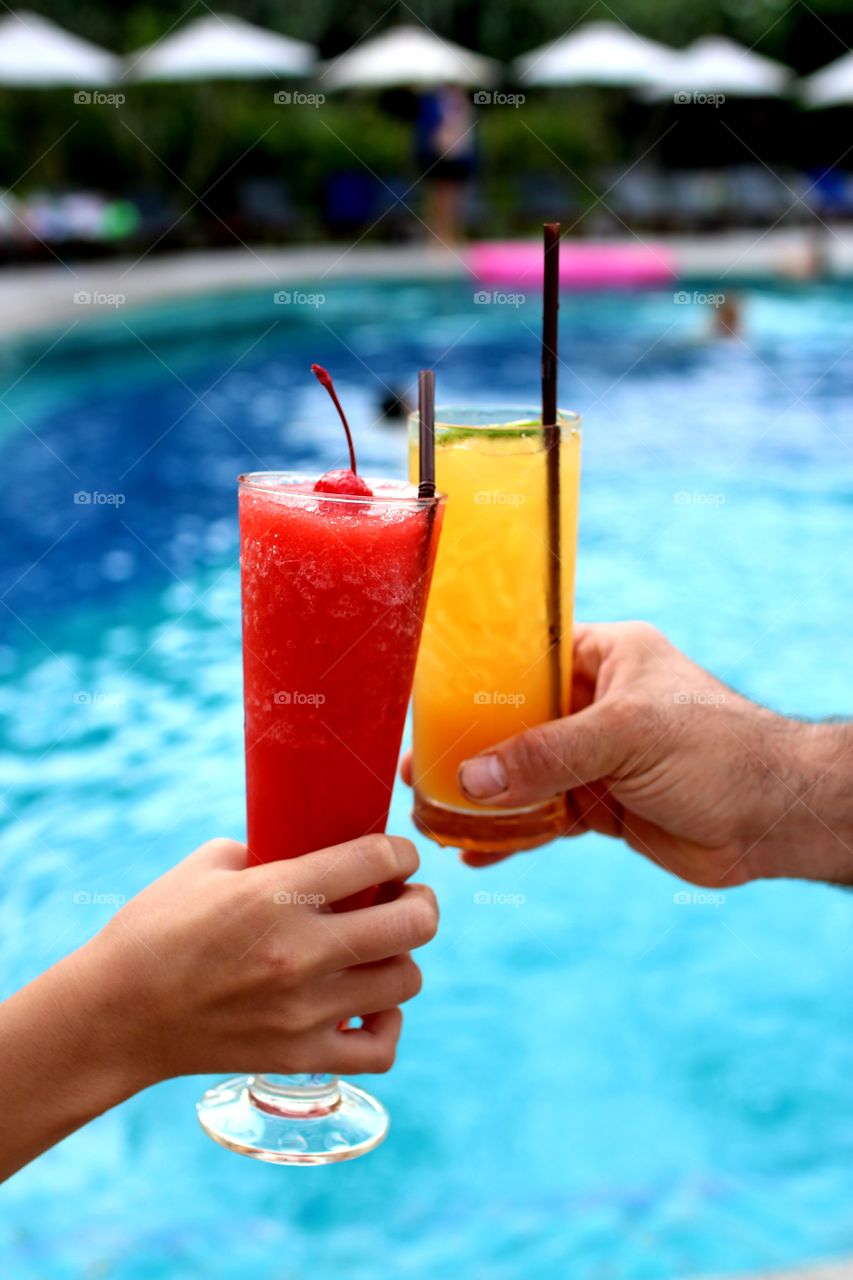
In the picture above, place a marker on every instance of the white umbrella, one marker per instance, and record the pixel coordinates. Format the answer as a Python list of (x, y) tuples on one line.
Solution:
[(832, 86), (715, 64), (218, 46), (599, 53), (407, 55), (36, 53)]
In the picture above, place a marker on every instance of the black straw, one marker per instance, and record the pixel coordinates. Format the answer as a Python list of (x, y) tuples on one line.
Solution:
[(550, 308), (426, 416)]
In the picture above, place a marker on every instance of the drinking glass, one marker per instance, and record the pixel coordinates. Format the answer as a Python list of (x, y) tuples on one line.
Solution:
[(496, 655), (334, 589)]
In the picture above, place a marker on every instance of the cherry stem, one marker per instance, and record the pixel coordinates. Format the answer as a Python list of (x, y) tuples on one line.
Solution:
[(325, 378)]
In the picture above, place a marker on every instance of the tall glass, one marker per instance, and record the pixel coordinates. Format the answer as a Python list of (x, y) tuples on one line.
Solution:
[(487, 664), (334, 590)]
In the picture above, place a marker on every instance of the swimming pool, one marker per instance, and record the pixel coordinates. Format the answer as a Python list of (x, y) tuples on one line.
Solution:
[(599, 1080)]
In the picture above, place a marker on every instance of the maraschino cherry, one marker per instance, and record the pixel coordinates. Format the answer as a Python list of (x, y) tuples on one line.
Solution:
[(346, 483)]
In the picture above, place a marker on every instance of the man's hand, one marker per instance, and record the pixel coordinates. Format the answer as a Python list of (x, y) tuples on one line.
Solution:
[(657, 751)]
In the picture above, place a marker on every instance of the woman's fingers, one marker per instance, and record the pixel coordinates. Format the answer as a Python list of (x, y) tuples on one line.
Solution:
[(379, 932), (331, 875), (332, 1048), (370, 988), (370, 1047), (322, 943)]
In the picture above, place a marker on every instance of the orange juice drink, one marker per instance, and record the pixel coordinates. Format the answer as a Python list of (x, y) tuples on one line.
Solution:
[(485, 668)]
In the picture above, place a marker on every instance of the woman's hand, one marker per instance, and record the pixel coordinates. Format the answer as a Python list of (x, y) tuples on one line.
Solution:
[(217, 967), (229, 968)]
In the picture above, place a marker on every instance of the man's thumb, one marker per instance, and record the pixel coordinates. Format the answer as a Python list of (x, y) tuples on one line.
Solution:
[(543, 762)]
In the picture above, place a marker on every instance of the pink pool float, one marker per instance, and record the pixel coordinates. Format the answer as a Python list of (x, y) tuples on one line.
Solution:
[(583, 264)]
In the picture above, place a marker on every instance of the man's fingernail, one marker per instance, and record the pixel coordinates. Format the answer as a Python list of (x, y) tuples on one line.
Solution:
[(482, 777)]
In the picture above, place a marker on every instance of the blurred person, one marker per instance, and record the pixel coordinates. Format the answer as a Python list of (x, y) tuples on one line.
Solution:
[(659, 753), (394, 408), (727, 317), (446, 148), (810, 259), (215, 967)]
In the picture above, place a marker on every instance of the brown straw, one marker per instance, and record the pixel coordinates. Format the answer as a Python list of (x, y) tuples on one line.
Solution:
[(426, 416), (550, 307)]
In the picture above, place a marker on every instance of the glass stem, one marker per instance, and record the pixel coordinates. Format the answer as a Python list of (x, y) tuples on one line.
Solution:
[(298, 1095)]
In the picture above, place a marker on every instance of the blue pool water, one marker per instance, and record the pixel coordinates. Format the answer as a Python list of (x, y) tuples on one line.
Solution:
[(601, 1082)]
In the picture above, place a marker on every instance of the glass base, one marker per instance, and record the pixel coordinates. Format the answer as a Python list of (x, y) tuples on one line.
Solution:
[(491, 830), (254, 1118)]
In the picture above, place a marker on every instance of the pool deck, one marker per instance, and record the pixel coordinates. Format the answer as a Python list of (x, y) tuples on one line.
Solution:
[(48, 295)]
